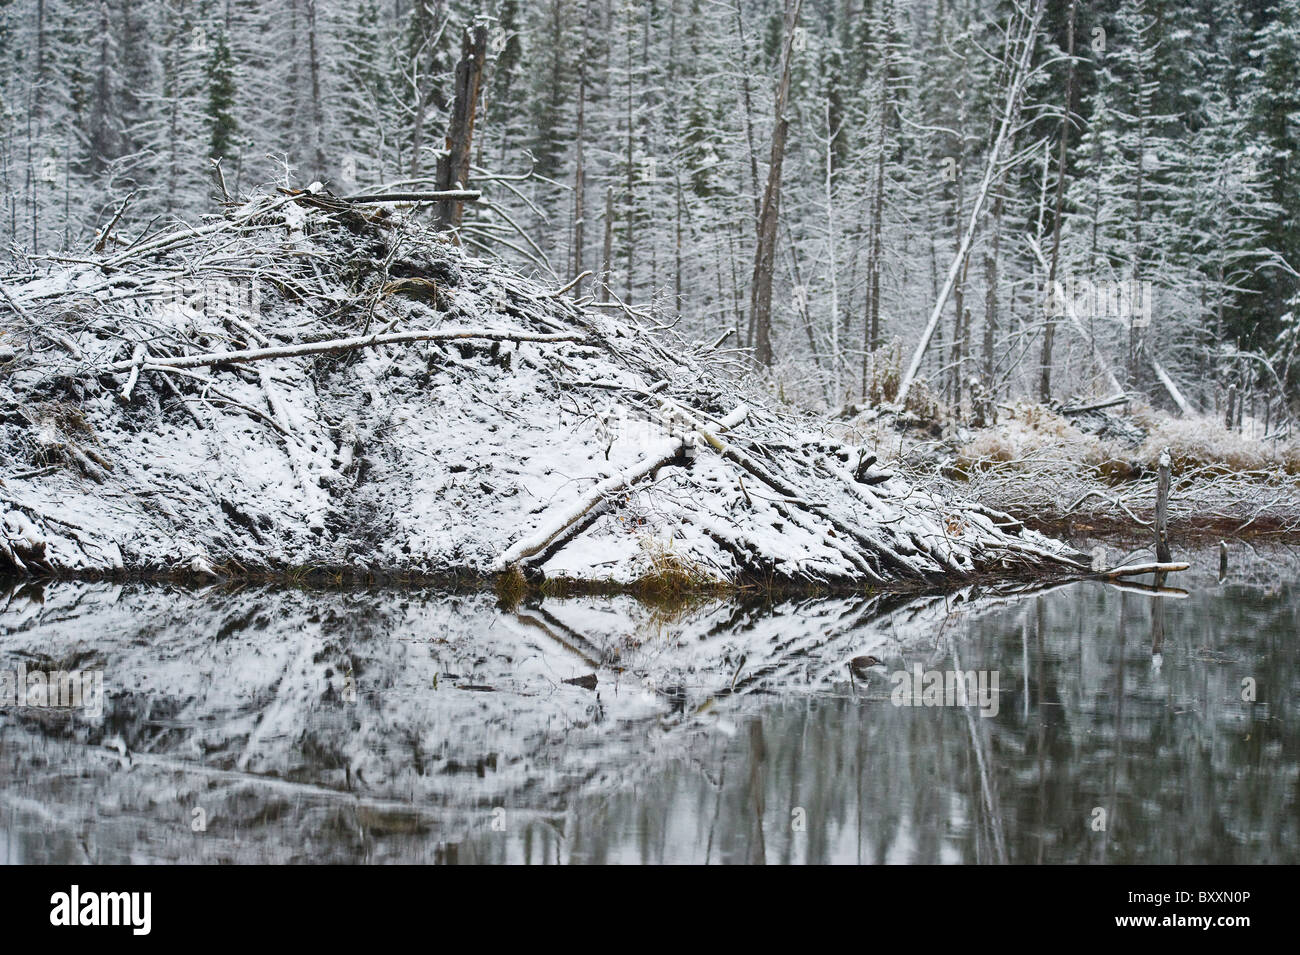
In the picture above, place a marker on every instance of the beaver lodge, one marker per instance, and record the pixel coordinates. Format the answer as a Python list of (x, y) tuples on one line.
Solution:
[(309, 384)]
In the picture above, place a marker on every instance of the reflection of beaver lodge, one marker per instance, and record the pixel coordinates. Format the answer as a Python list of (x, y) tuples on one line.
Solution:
[(416, 711)]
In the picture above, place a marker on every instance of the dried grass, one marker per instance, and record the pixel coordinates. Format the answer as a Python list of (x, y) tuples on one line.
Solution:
[(1043, 469)]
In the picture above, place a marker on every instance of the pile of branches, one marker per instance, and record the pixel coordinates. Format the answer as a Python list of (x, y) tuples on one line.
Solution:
[(333, 298)]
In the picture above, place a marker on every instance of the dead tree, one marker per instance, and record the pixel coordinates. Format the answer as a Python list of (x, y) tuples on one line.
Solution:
[(765, 252), (606, 261), (1162, 510), (453, 166), (1018, 76), (1049, 330)]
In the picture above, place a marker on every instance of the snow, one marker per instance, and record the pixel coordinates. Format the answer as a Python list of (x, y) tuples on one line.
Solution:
[(227, 698), (426, 457)]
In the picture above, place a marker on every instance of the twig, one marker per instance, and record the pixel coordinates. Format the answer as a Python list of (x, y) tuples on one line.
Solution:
[(102, 240), (344, 344), (560, 291)]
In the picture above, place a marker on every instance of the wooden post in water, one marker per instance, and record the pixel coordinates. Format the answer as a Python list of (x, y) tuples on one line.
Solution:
[(1162, 510), (1223, 560)]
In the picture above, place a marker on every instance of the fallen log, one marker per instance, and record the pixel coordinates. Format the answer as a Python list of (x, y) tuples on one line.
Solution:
[(1096, 405), (1134, 570), (570, 520), (345, 344)]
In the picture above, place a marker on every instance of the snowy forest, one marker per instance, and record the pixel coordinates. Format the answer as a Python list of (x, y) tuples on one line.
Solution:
[(1059, 199), (421, 414)]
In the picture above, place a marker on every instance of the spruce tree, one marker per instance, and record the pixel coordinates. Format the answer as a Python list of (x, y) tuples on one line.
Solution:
[(220, 82)]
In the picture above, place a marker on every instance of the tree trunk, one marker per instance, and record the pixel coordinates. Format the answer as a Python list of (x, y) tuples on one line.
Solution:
[(1049, 331), (453, 167), (606, 262), (765, 252), (317, 110), (579, 172), (991, 298), (871, 322), (630, 184)]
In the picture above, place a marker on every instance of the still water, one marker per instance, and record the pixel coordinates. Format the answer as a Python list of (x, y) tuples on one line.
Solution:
[(371, 726)]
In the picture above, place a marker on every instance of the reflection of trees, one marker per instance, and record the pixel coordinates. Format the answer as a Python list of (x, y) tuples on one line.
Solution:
[(1173, 754), (1189, 773), (712, 725)]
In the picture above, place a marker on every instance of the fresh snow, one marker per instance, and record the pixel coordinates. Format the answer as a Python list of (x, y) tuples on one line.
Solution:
[(449, 455)]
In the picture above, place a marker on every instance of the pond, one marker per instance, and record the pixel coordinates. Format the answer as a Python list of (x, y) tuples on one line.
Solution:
[(1102, 724)]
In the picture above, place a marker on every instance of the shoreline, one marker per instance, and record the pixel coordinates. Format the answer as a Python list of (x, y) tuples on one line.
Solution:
[(513, 587)]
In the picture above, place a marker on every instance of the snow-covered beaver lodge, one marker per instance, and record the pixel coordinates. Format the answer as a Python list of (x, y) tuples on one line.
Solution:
[(308, 384)]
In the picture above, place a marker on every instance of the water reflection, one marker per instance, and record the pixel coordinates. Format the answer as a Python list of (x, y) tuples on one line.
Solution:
[(1125, 732), (1184, 770)]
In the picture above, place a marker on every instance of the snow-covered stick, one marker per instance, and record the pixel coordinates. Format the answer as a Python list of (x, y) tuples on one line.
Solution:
[(137, 359), (102, 239), (1183, 404), (1009, 117), (347, 344), (557, 527), (717, 343), (1136, 570), (693, 417), (556, 293), (556, 524), (457, 195)]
